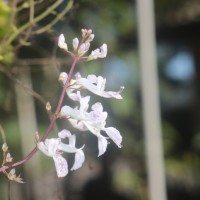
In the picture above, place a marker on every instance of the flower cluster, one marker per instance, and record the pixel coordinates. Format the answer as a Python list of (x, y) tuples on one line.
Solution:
[(54, 148), (80, 117), (7, 158), (80, 48)]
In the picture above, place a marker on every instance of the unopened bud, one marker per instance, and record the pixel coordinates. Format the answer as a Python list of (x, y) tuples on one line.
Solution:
[(37, 137), (9, 158), (5, 147), (75, 43), (83, 48), (48, 106)]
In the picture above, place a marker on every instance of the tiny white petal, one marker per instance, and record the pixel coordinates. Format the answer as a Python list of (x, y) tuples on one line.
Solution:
[(12, 171), (63, 77), (79, 160), (103, 50), (96, 85), (78, 124), (61, 42), (61, 165), (64, 133), (72, 140), (115, 135), (102, 144), (67, 148), (67, 112), (44, 149)]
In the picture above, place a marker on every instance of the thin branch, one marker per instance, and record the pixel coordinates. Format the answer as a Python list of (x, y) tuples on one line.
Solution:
[(28, 24), (59, 16), (53, 121)]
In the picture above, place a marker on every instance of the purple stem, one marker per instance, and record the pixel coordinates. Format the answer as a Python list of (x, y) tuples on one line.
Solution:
[(53, 121)]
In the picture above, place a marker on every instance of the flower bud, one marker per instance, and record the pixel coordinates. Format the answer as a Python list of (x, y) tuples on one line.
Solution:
[(75, 43), (61, 42), (5, 147), (8, 157), (48, 106), (37, 137), (83, 48)]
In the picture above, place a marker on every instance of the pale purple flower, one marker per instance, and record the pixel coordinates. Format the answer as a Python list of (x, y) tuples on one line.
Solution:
[(94, 121), (61, 42), (96, 85), (83, 48), (92, 83), (54, 147)]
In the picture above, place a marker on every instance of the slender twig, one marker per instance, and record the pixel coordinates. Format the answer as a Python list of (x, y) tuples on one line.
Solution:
[(58, 17), (28, 24), (31, 13), (53, 121)]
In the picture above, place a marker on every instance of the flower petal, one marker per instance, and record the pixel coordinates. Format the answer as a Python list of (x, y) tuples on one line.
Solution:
[(42, 147), (96, 85), (78, 124), (75, 43), (61, 165), (102, 144), (115, 135), (64, 133), (103, 49), (61, 42), (79, 159), (67, 148), (67, 112)]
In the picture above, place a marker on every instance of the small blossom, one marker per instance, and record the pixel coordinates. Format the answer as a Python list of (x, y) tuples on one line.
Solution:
[(61, 42), (75, 43), (12, 176), (98, 53), (86, 33), (9, 158), (54, 148), (94, 121), (5, 147), (92, 83), (96, 85), (48, 106)]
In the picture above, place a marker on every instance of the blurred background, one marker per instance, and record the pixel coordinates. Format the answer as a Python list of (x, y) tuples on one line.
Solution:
[(30, 63)]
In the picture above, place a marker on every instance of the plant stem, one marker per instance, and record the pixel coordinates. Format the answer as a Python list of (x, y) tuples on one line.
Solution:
[(53, 120)]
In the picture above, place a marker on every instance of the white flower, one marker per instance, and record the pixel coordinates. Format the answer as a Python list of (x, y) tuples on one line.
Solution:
[(61, 42), (13, 177), (54, 148), (94, 121), (92, 83), (98, 53), (96, 85)]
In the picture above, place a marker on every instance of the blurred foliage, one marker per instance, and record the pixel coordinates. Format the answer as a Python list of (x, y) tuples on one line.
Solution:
[(114, 23), (5, 12)]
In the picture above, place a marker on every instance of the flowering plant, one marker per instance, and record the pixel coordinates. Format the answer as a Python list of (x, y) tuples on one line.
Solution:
[(80, 117)]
